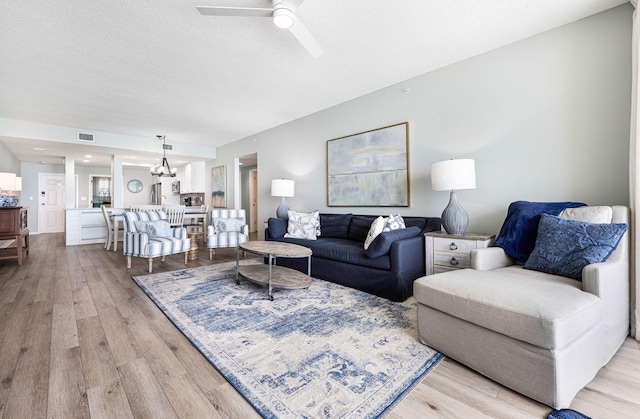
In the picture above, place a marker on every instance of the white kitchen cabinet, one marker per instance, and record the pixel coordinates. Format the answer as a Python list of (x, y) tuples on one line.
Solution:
[(192, 177)]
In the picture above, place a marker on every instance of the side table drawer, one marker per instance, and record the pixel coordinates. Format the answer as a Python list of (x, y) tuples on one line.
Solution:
[(452, 260), (453, 245), (448, 252)]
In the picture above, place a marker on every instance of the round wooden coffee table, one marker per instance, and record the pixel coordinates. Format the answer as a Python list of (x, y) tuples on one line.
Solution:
[(272, 275)]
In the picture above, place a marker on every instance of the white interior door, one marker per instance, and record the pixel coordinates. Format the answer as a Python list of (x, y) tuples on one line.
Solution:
[(51, 202)]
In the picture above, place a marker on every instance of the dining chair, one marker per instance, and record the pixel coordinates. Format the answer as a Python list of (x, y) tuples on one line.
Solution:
[(135, 208), (117, 222), (113, 228), (175, 214), (197, 224)]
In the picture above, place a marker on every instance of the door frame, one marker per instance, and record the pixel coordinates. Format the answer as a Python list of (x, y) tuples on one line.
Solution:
[(253, 198)]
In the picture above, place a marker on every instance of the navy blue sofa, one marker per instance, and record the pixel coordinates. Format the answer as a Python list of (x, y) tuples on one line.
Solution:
[(387, 269)]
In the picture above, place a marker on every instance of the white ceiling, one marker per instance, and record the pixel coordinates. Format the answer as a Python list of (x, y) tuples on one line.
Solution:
[(146, 67)]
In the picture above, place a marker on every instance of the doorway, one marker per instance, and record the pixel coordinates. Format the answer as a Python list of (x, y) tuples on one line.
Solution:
[(248, 188), (100, 190), (51, 202)]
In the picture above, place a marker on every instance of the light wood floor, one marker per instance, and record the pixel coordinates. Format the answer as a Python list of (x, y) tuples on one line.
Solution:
[(79, 339)]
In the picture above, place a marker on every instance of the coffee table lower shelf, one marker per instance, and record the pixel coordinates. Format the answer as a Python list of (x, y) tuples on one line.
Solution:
[(272, 275), (281, 277)]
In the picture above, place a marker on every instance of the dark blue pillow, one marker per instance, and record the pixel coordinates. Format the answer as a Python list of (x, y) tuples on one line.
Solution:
[(277, 227), (564, 247), (359, 227), (382, 243), (335, 225), (518, 233)]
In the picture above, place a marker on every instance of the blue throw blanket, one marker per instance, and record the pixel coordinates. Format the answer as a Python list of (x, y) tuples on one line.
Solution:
[(518, 233)]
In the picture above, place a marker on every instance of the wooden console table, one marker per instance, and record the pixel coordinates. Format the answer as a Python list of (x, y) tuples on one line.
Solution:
[(13, 226)]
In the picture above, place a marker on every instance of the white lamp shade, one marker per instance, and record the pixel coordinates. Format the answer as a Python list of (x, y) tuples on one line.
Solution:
[(282, 187), (18, 184), (7, 181), (452, 174)]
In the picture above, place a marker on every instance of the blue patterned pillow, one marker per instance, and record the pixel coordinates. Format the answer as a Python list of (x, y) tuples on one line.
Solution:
[(564, 247), (393, 222)]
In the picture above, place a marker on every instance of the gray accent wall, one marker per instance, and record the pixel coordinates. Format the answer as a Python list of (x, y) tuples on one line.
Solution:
[(546, 119)]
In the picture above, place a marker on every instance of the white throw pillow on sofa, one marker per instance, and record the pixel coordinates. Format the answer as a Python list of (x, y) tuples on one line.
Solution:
[(303, 225), (376, 228)]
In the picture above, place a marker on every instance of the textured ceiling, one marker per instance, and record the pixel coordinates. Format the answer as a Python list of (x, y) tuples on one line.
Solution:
[(148, 67)]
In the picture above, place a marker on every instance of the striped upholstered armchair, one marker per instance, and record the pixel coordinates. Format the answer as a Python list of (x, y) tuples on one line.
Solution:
[(147, 234), (227, 228)]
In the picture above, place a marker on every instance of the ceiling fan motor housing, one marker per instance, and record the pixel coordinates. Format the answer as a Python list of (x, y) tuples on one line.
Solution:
[(283, 17)]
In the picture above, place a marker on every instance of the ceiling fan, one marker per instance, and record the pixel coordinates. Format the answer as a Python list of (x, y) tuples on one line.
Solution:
[(283, 14)]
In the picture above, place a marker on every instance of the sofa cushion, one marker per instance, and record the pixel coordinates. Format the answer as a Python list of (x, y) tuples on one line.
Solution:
[(359, 227), (518, 233), (565, 247), (335, 225), (382, 244), (500, 300), (343, 250)]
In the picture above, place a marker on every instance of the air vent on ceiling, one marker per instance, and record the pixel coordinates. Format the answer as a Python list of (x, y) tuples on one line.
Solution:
[(83, 136)]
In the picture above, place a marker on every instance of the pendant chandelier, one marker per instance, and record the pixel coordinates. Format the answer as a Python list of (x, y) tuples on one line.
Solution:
[(164, 169)]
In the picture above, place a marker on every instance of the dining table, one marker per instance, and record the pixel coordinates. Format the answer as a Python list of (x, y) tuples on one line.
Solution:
[(194, 216)]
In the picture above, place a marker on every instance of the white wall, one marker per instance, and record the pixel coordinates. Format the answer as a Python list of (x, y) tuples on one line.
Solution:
[(546, 119), (143, 197), (8, 162)]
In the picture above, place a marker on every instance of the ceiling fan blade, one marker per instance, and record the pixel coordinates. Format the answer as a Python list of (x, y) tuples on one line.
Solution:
[(234, 11), (306, 39)]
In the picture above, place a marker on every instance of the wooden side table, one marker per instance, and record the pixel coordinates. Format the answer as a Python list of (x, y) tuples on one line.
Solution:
[(13, 226), (194, 253), (447, 252)]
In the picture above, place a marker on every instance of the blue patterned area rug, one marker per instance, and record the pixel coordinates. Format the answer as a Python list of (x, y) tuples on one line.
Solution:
[(327, 351)]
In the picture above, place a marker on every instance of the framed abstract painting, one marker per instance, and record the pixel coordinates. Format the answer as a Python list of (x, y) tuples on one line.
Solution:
[(369, 169), (219, 187)]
